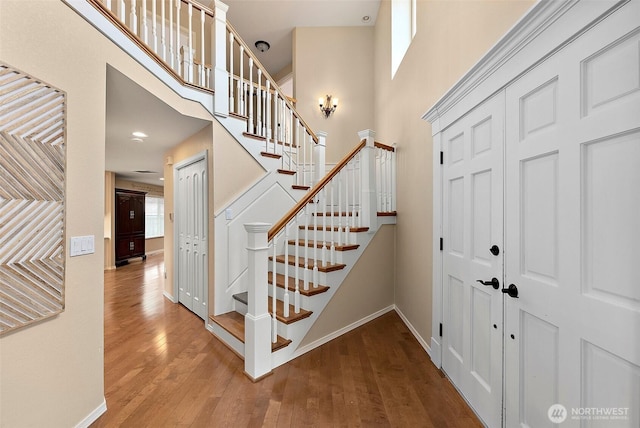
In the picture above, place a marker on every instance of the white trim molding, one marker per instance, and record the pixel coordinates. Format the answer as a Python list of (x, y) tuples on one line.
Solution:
[(94, 415), (413, 331)]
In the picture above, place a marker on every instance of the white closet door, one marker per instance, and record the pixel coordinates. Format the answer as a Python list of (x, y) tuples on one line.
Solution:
[(191, 219), (472, 225), (572, 337)]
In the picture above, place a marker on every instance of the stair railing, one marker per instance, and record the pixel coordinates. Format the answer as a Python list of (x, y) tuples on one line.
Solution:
[(255, 96), (176, 33), (344, 201), (385, 178)]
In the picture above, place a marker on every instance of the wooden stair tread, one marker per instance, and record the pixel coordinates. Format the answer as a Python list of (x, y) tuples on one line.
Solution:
[(387, 213), (293, 317), (286, 171), (311, 243), (233, 322), (254, 136), (299, 187), (301, 263), (336, 228), (238, 116), (336, 214), (312, 291), (271, 155)]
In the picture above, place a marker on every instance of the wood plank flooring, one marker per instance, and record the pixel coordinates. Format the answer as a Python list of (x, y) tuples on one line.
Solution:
[(164, 369)]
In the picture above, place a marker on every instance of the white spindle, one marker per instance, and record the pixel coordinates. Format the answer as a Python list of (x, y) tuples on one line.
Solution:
[(333, 211), (297, 151), (311, 146), (393, 177), (163, 42), (339, 182), (241, 100), (291, 141), (230, 68), (304, 159), (296, 297), (190, 55), (177, 47), (274, 320), (172, 59), (122, 11), (315, 243), (202, 17), (109, 5), (306, 247), (354, 193), (276, 121), (324, 227), (267, 114), (134, 18), (286, 271), (145, 28), (360, 193), (378, 157), (250, 121), (347, 229), (154, 25), (259, 104)]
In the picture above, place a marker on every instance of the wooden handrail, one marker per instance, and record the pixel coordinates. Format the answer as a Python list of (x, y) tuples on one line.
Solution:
[(142, 45), (384, 147), (313, 192), (268, 76)]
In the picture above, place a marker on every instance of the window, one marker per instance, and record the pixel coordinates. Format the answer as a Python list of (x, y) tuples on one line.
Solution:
[(403, 29), (153, 217)]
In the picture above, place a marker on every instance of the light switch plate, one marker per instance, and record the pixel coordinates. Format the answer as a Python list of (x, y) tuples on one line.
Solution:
[(82, 245)]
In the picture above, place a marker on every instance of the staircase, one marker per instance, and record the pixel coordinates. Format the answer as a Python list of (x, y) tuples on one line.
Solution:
[(269, 294)]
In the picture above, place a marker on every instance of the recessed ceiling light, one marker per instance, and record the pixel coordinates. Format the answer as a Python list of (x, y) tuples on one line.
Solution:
[(161, 178), (366, 18), (139, 134)]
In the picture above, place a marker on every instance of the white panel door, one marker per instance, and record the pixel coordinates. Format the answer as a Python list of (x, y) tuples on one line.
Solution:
[(472, 225), (191, 220), (572, 233)]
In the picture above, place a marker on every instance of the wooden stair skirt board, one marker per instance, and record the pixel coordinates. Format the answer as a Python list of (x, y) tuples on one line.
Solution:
[(233, 322), (293, 317), (330, 267), (312, 291)]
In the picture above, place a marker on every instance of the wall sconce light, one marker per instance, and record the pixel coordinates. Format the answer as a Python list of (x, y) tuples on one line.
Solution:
[(327, 105)]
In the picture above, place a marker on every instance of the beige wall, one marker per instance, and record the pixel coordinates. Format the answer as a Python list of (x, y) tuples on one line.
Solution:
[(451, 36), (366, 290), (335, 61), (51, 373)]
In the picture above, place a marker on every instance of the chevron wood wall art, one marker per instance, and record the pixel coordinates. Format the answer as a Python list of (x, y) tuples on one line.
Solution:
[(32, 183)]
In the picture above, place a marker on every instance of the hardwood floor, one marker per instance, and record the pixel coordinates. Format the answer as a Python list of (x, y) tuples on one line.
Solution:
[(164, 369)]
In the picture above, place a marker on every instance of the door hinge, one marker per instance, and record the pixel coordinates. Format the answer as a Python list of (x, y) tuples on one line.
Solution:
[(440, 329), (441, 158), (441, 244)]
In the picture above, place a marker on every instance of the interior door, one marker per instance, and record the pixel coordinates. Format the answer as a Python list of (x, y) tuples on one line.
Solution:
[(473, 257), (572, 336), (192, 225)]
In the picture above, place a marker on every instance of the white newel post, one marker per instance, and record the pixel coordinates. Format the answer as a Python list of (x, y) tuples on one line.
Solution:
[(319, 167), (219, 55), (257, 321), (368, 180)]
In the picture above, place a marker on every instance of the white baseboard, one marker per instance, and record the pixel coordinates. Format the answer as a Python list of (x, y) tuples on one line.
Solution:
[(413, 331), (169, 297), (319, 342), (436, 352), (94, 415)]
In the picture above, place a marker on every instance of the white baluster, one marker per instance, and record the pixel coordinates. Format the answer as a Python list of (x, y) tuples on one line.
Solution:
[(259, 103), (393, 177), (145, 28), (231, 85), (311, 164), (172, 59), (109, 5), (250, 121), (333, 210), (163, 42), (359, 156), (292, 141), (378, 157), (315, 243), (154, 25), (339, 182), (297, 151), (134, 18), (306, 247), (286, 271), (190, 56), (241, 109), (324, 227), (177, 47), (202, 17), (304, 159), (276, 120), (268, 119), (263, 103), (354, 193), (274, 320), (347, 230), (296, 297), (122, 11)]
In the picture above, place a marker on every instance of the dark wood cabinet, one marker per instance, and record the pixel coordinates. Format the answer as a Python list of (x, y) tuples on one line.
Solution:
[(129, 225)]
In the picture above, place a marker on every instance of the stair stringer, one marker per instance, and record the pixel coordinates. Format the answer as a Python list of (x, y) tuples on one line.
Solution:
[(297, 331)]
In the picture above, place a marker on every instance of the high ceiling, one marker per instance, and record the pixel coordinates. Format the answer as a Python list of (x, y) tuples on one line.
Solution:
[(131, 108)]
